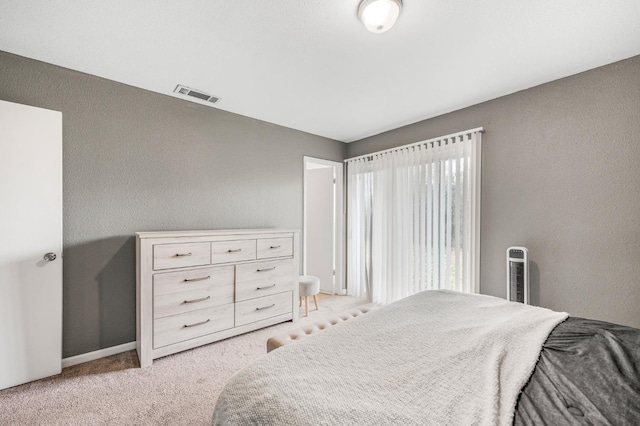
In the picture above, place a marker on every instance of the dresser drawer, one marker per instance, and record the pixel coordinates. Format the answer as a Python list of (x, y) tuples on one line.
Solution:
[(169, 256), (263, 307), (274, 247), (233, 251), (178, 328), (263, 278), (184, 291), (253, 289)]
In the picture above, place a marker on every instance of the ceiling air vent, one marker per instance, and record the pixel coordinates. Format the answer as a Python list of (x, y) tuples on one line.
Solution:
[(187, 91)]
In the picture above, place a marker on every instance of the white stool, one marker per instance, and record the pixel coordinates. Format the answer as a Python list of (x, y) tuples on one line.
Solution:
[(309, 286)]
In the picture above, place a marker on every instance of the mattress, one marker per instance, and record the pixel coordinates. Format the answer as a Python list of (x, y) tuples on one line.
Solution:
[(433, 358)]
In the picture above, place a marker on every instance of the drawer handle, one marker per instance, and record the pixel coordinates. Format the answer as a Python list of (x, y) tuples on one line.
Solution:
[(197, 323), (188, 280), (266, 269), (183, 254), (202, 299), (266, 286), (266, 307), (234, 250), (275, 247)]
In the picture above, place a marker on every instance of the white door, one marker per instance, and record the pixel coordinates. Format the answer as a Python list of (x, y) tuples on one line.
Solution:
[(31, 233), (323, 223)]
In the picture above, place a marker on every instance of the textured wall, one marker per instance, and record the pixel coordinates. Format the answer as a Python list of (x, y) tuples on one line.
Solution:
[(140, 161), (560, 175)]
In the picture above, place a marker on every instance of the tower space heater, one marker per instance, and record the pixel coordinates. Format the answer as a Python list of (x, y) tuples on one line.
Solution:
[(518, 275)]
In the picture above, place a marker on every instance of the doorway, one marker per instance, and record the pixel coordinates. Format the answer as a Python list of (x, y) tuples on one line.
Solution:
[(323, 224)]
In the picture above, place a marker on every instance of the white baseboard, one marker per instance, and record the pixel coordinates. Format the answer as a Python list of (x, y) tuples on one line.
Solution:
[(101, 353)]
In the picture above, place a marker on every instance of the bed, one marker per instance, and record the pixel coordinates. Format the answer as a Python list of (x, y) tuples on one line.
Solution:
[(441, 357)]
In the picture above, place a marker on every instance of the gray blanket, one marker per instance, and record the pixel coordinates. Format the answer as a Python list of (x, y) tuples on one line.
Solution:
[(438, 357), (588, 374)]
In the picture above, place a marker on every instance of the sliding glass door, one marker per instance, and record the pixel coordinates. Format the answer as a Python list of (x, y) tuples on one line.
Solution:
[(413, 218)]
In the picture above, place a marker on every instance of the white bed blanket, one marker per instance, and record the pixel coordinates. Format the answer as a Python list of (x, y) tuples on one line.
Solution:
[(435, 358)]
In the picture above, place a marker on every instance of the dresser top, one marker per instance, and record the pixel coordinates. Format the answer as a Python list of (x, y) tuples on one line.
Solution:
[(215, 232)]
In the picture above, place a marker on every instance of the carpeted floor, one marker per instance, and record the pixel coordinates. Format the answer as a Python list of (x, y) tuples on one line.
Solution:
[(179, 389)]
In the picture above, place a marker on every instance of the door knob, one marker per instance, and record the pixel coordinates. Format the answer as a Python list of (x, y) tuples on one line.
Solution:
[(50, 257)]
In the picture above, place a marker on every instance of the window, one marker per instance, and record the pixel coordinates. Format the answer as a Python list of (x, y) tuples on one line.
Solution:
[(413, 218)]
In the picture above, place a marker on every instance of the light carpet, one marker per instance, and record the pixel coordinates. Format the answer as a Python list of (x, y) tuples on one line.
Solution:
[(180, 389)]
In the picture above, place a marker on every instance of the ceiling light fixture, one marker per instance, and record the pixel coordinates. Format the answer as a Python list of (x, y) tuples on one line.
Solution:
[(379, 16)]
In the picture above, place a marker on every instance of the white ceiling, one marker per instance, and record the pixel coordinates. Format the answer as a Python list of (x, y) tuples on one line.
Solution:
[(311, 65)]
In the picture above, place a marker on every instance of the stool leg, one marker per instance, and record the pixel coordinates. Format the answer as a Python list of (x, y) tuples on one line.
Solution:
[(315, 299), (300, 304), (306, 306)]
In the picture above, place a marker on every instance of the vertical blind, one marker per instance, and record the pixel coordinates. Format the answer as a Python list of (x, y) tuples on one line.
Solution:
[(413, 218)]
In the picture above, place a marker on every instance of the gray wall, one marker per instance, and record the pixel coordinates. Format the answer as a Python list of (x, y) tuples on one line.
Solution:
[(140, 161), (560, 175)]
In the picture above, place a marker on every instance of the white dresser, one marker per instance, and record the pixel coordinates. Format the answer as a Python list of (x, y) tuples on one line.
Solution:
[(198, 287)]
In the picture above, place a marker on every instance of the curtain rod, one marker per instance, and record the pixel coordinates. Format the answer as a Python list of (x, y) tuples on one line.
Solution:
[(439, 138)]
